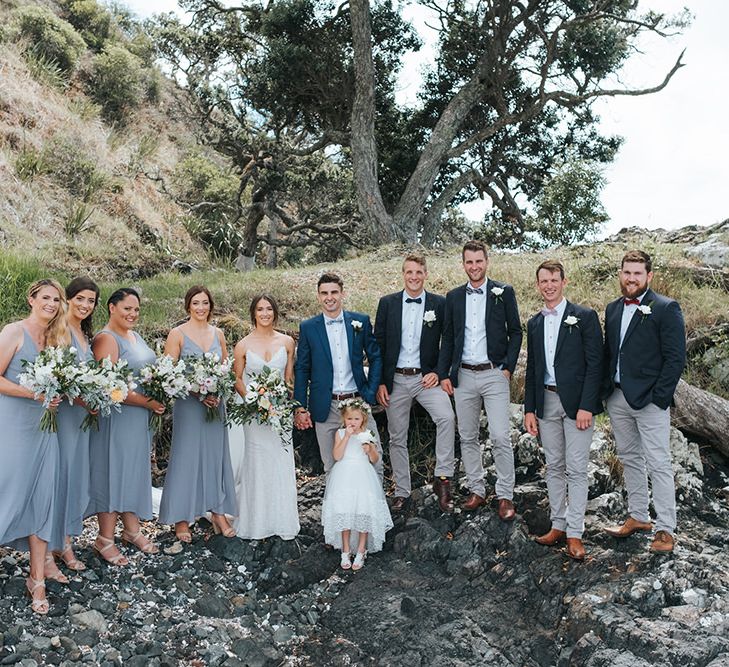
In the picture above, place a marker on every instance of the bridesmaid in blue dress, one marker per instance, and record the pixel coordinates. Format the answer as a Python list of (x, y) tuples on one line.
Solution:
[(120, 451), (199, 474), (29, 456), (72, 496)]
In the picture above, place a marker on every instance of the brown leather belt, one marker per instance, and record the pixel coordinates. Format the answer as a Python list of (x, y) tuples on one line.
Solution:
[(551, 387), (407, 371), (344, 397), (478, 367)]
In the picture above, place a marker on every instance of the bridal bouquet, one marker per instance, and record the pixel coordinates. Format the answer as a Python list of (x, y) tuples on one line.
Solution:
[(104, 385), (53, 373), (164, 381), (208, 376), (267, 401)]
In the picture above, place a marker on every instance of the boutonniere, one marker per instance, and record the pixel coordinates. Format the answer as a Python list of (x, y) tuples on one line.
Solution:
[(571, 321), (645, 311), (497, 292), (429, 317), (356, 326)]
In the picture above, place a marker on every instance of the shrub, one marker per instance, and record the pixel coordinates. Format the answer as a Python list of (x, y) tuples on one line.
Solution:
[(116, 82), (29, 163), (17, 272), (72, 167), (93, 22), (77, 219), (50, 36)]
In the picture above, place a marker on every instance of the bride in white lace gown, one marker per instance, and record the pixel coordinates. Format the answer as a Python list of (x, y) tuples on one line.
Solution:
[(263, 467)]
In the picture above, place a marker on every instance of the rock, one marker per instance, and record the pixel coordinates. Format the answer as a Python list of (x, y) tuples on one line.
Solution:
[(283, 634), (713, 252), (91, 619), (213, 606)]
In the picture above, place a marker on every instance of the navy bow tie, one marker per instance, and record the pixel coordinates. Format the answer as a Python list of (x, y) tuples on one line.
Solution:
[(631, 302), (473, 290), (339, 320), (418, 300), (549, 311)]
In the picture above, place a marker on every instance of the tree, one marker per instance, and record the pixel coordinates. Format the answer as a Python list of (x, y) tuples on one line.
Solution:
[(507, 99)]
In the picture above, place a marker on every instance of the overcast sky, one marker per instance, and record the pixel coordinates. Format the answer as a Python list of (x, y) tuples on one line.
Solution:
[(672, 168)]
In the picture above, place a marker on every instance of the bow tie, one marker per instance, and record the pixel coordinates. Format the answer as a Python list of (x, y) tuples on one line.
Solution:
[(473, 290), (549, 311), (339, 320), (631, 302), (418, 300)]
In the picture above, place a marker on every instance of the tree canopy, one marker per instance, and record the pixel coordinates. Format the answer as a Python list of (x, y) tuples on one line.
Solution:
[(301, 95)]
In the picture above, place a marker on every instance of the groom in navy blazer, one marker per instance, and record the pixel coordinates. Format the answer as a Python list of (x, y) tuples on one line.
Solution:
[(330, 366), (561, 398), (645, 353)]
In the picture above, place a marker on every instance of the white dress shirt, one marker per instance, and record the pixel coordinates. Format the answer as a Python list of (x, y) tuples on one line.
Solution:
[(628, 312), (343, 380), (552, 324), (475, 349), (412, 327)]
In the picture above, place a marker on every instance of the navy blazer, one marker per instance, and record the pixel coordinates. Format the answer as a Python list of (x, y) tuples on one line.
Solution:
[(388, 332), (503, 330), (653, 353), (577, 363), (314, 371)]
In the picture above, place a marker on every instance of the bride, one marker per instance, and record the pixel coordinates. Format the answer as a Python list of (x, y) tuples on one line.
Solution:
[(263, 467)]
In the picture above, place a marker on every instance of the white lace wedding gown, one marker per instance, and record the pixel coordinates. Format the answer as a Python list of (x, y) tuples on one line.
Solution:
[(265, 477)]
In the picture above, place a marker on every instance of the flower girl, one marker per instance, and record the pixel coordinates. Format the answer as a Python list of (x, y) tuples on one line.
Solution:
[(354, 499)]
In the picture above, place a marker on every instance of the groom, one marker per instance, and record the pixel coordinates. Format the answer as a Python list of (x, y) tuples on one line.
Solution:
[(330, 367)]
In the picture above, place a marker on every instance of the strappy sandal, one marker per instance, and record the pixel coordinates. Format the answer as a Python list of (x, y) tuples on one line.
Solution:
[(117, 559), (359, 560), (133, 539), (39, 606), (51, 571), (72, 563), (346, 561), (227, 532), (184, 535)]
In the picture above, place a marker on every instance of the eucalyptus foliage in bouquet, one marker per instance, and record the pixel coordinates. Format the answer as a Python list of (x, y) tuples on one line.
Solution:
[(208, 376), (164, 381)]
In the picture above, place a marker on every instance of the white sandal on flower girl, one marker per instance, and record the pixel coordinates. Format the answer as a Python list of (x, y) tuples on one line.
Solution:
[(359, 560), (346, 561)]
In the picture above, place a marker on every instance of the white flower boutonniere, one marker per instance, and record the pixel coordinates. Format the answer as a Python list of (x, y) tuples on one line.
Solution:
[(429, 317), (645, 311), (497, 292), (356, 326), (571, 321)]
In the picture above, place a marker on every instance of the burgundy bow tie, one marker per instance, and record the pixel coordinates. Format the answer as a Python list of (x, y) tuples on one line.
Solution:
[(631, 302)]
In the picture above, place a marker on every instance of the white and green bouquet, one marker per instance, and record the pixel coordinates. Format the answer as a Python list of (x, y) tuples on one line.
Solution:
[(104, 385), (165, 381), (267, 401), (209, 376)]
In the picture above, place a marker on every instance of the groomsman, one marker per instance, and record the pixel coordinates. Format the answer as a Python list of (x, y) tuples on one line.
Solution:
[(561, 397), (645, 353), (408, 328), (330, 367), (479, 351)]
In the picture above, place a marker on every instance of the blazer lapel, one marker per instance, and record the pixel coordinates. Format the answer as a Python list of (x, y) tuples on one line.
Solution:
[(563, 331), (350, 334), (539, 342), (487, 292), (396, 319), (321, 329)]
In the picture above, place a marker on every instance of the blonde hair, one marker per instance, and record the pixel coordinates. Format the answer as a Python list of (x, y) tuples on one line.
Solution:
[(56, 333), (355, 408)]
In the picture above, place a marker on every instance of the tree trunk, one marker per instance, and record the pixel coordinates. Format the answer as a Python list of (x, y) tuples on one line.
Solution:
[(702, 414), (254, 216), (363, 145)]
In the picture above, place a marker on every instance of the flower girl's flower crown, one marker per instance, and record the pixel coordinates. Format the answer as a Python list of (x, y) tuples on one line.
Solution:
[(354, 404)]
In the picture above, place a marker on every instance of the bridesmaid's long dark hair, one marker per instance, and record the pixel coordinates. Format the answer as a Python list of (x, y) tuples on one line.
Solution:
[(121, 294), (79, 285)]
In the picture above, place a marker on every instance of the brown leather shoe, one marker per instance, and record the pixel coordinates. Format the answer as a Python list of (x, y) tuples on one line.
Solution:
[(473, 502), (662, 542), (398, 505), (442, 490), (506, 510), (575, 548), (630, 526), (551, 538)]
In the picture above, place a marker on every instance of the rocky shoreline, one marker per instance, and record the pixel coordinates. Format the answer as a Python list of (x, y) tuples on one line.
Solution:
[(460, 589)]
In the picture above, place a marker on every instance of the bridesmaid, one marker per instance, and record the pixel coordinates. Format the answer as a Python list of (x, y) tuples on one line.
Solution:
[(72, 493), (121, 475), (199, 475), (29, 455)]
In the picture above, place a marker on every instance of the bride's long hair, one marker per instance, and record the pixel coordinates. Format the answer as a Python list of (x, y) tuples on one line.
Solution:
[(254, 304)]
